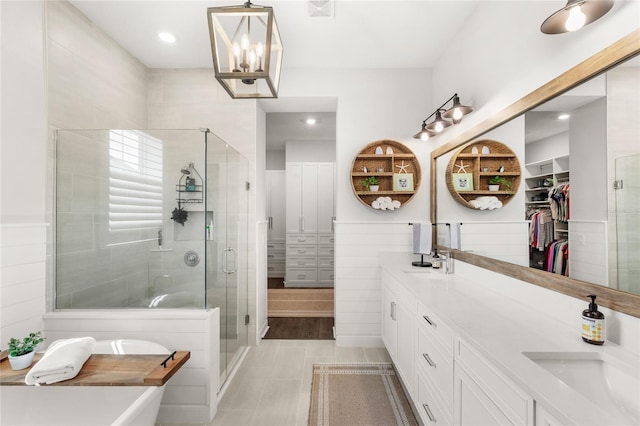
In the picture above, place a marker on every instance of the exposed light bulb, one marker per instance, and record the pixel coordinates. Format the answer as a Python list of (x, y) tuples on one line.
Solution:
[(244, 41), (439, 127), (167, 37), (457, 114), (424, 136), (576, 19)]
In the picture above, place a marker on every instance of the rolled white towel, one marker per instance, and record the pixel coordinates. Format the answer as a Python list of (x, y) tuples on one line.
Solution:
[(63, 360)]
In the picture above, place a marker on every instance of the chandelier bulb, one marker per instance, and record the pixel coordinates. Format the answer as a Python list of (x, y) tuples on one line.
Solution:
[(424, 136), (439, 127), (576, 19)]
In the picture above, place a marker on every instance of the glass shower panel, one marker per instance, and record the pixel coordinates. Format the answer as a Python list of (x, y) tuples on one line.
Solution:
[(226, 272), (628, 222)]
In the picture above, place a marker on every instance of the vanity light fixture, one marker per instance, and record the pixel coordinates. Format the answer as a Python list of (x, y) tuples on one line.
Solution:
[(246, 49), (575, 15), (443, 118)]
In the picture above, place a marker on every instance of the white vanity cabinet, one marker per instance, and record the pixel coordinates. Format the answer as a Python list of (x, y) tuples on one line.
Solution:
[(434, 358), (543, 418), (398, 330), (483, 396)]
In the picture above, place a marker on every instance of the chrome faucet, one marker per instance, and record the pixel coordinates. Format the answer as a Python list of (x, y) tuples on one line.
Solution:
[(447, 262)]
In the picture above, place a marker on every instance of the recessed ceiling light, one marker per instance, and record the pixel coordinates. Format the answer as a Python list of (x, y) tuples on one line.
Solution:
[(311, 121), (564, 116), (167, 37)]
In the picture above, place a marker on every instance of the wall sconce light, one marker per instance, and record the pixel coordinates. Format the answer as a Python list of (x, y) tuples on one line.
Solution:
[(575, 15), (443, 118), (246, 49)]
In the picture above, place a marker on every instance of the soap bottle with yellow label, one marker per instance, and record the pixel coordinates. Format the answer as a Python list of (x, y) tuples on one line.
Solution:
[(593, 323)]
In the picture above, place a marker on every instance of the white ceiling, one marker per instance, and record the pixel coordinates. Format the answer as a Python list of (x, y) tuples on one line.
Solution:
[(359, 34)]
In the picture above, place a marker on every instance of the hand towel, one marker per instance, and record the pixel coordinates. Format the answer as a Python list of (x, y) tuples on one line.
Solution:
[(62, 361), (422, 238)]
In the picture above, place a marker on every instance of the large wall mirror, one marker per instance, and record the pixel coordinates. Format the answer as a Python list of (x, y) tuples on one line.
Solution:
[(594, 153)]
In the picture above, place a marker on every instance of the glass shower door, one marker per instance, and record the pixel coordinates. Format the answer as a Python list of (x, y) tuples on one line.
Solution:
[(628, 222), (226, 272)]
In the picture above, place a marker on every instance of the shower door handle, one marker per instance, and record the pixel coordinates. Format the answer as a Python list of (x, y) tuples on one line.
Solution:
[(225, 260)]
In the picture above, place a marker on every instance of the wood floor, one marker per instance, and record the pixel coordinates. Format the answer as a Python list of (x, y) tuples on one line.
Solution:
[(298, 302), (300, 328)]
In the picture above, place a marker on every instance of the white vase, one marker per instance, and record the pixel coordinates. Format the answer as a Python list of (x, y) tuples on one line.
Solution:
[(494, 187), (374, 188), (21, 362)]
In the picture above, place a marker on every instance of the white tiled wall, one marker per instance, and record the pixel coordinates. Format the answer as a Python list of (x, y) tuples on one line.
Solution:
[(358, 294), (507, 241), (22, 280), (588, 254)]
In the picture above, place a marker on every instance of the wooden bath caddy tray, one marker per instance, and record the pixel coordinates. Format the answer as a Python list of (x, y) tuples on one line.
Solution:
[(108, 370)]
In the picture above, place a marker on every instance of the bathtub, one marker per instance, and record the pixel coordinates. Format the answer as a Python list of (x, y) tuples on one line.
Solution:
[(79, 405), (86, 405)]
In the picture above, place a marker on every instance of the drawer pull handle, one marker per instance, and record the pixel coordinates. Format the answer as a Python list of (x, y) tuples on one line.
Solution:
[(429, 413), (301, 251), (302, 276), (429, 320), (429, 360)]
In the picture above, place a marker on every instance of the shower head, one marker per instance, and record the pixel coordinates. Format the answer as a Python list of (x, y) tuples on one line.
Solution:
[(185, 170)]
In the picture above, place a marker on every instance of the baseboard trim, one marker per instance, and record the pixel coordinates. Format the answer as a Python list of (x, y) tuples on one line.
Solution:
[(359, 341)]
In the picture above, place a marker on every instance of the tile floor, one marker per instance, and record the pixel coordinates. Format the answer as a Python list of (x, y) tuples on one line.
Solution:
[(272, 386)]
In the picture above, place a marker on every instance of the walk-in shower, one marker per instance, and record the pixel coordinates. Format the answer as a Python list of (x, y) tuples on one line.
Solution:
[(152, 219)]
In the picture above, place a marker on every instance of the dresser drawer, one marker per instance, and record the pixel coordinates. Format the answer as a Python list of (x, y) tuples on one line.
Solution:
[(274, 247), (435, 327), (437, 363), (429, 407), (326, 239), (302, 239), (325, 251), (302, 251), (275, 269), (275, 257), (295, 274), (325, 275), (326, 262), (302, 262)]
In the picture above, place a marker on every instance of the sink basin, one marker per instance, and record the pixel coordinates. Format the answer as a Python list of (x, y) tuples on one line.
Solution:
[(613, 387)]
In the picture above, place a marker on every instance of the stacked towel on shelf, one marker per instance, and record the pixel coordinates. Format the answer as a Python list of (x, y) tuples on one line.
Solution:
[(486, 203), (62, 361)]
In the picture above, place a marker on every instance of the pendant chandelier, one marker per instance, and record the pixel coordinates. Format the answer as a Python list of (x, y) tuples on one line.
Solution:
[(575, 15), (246, 49)]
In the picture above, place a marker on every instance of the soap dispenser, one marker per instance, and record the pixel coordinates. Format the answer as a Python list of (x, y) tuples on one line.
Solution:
[(593, 323)]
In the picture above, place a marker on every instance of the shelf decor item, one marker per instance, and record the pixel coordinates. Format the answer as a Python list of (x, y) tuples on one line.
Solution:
[(371, 183), (463, 181), (403, 182), (496, 181)]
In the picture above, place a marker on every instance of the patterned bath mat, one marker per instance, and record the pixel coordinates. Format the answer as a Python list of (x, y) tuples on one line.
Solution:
[(358, 394)]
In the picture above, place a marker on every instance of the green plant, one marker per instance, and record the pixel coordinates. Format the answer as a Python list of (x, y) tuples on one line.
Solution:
[(499, 180), (28, 344), (371, 180)]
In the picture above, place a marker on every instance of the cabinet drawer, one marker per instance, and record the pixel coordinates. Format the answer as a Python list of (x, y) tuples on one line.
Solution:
[(515, 404), (302, 239), (326, 262), (302, 262), (275, 269), (429, 407), (302, 274), (271, 246), (275, 257), (325, 275), (435, 327), (326, 239), (302, 251), (437, 363), (325, 251)]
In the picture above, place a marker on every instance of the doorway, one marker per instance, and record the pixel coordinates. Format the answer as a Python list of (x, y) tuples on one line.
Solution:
[(300, 176)]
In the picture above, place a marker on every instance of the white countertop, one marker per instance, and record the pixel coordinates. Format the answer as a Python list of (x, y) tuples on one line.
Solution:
[(501, 328)]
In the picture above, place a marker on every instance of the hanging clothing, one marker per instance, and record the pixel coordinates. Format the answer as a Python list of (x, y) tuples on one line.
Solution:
[(541, 229), (558, 258), (559, 202)]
